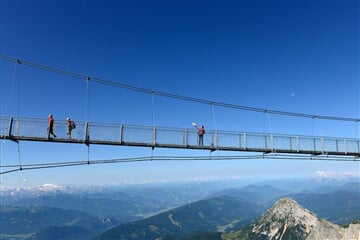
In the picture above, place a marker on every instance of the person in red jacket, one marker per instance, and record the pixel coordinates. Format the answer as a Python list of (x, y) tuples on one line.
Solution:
[(201, 132), (69, 127), (51, 126)]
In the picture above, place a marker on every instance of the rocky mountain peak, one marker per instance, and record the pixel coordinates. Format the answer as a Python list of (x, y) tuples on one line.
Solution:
[(289, 211), (288, 220)]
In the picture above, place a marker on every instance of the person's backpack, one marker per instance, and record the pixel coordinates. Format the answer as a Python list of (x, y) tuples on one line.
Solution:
[(73, 125)]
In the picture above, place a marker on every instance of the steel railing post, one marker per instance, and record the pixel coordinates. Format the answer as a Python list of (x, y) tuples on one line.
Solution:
[(239, 140), (265, 143), (185, 138), (10, 127), (154, 137), (314, 144), (345, 147), (297, 144), (217, 138), (86, 135), (245, 141), (121, 133)]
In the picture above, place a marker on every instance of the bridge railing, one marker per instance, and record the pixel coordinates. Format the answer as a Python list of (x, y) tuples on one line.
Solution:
[(137, 135)]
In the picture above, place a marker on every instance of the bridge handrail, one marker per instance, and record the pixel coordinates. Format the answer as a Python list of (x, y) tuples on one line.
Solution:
[(110, 125), (25, 128)]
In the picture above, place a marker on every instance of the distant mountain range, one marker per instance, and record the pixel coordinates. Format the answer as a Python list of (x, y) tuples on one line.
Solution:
[(123, 206), (166, 212), (339, 207), (286, 219), (214, 214), (263, 195), (17, 220)]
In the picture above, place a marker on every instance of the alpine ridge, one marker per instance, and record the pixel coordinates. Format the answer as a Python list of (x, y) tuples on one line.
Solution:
[(288, 220)]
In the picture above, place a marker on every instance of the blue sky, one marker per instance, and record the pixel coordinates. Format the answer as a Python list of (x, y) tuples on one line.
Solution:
[(298, 56)]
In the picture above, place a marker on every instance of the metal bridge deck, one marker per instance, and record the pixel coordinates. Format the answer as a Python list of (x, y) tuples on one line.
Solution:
[(30, 129)]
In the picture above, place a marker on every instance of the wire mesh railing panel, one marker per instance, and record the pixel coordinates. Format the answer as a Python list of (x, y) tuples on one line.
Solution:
[(137, 134), (341, 146), (293, 143), (352, 146), (193, 139), (232, 140), (330, 145), (318, 145), (79, 132), (255, 141), (167, 136), (281, 142), (29, 127), (306, 144), (105, 133), (207, 139), (60, 129), (4, 125)]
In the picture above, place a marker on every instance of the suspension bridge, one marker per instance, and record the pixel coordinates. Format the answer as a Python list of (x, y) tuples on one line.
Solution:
[(268, 145)]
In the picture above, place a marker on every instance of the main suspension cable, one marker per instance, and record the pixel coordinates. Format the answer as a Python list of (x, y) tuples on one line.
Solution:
[(175, 96)]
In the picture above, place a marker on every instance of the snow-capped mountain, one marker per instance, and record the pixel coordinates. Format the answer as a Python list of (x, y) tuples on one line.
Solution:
[(44, 189), (322, 175)]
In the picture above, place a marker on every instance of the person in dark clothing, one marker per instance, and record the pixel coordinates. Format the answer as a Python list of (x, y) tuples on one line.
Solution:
[(51, 126), (69, 127)]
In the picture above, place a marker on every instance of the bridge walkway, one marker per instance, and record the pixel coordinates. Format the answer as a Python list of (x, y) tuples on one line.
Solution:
[(31, 129)]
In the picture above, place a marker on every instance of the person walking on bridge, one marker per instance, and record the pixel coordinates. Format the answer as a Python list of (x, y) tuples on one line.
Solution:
[(69, 127), (51, 126)]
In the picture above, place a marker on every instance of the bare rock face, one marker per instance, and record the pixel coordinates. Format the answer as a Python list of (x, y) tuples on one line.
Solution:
[(288, 220), (352, 232)]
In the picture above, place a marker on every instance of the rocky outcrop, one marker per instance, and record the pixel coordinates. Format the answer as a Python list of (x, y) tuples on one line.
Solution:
[(288, 220)]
